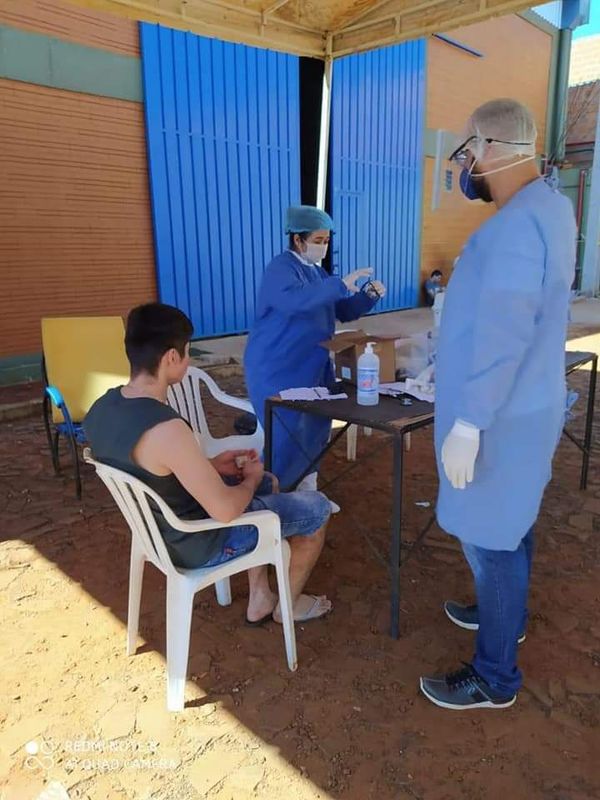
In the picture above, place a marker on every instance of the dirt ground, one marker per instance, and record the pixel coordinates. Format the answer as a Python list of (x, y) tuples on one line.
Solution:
[(350, 722)]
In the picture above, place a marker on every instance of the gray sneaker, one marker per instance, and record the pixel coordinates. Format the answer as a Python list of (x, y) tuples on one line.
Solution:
[(463, 690), (468, 617)]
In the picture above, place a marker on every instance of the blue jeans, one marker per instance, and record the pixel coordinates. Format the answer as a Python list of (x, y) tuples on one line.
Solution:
[(502, 585), (300, 514), (297, 441)]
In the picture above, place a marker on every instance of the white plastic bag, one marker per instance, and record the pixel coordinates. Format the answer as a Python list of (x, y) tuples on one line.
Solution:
[(412, 355)]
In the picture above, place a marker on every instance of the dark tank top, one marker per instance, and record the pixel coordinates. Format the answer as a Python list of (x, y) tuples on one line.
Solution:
[(113, 427)]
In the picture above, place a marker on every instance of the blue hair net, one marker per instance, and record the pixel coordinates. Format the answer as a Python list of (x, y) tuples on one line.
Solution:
[(300, 219)]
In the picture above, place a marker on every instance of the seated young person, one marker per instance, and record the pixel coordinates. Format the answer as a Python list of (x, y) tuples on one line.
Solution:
[(432, 286), (133, 429)]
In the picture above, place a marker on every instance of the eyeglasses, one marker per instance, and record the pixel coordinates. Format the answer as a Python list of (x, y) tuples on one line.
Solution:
[(462, 153)]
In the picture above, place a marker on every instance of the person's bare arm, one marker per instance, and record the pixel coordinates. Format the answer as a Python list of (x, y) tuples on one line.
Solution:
[(171, 447)]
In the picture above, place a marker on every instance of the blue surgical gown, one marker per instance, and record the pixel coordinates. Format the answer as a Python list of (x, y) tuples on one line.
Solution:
[(296, 311), (501, 364)]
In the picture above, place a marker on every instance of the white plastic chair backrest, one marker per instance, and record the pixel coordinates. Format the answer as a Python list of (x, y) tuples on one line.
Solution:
[(186, 399), (131, 495)]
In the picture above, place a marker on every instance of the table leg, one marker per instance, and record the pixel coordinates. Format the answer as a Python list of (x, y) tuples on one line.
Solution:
[(589, 419), (396, 536), (268, 457)]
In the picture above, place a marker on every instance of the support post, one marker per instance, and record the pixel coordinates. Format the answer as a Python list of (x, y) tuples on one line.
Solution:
[(590, 274), (324, 134)]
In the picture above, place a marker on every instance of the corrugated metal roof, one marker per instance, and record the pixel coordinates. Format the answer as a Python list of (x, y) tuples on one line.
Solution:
[(551, 12)]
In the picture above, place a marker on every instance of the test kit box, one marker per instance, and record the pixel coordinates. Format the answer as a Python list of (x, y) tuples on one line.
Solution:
[(348, 346)]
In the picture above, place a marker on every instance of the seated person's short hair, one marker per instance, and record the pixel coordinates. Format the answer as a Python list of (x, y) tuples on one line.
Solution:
[(437, 273), (152, 330)]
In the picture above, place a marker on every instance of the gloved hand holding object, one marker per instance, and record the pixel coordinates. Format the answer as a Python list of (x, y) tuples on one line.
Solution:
[(351, 279), (375, 289), (459, 453)]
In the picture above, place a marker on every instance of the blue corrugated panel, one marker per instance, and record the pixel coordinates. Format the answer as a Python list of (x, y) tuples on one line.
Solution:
[(222, 125), (378, 117), (551, 12)]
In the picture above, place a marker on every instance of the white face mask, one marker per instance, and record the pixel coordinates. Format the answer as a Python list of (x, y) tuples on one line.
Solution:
[(314, 253)]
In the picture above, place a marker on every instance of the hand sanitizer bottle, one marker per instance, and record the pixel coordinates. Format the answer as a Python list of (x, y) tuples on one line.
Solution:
[(368, 377)]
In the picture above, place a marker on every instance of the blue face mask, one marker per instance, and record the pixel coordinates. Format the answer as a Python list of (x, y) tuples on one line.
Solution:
[(473, 189)]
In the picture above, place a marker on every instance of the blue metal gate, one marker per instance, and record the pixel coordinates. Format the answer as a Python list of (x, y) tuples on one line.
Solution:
[(222, 126), (378, 117)]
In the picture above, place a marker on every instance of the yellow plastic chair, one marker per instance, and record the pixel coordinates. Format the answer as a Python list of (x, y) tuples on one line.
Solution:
[(83, 357)]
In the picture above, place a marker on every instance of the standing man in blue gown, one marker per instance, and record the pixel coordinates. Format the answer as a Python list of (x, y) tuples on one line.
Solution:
[(297, 307), (500, 392)]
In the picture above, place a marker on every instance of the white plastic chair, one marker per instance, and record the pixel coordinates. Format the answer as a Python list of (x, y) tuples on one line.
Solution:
[(351, 438), (186, 399), (132, 495)]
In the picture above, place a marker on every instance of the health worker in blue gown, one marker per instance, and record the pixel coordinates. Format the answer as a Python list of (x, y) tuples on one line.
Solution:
[(297, 308), (500, 392)]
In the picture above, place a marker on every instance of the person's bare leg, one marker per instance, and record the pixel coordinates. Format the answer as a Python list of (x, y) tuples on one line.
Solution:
[(261, 600), (305, 552)]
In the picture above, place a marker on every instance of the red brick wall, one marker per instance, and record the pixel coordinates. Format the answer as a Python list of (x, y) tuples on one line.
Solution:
[(76, 233), (73, 23)]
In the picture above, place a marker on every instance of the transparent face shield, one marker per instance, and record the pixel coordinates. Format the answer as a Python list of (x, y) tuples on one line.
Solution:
[(459, 168), (466, 154)]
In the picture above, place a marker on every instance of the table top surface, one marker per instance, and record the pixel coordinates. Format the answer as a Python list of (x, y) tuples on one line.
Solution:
[(389, 414), (577, 358)]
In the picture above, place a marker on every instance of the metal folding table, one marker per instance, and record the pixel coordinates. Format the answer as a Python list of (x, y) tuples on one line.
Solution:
[(574, 361), (391, 416)]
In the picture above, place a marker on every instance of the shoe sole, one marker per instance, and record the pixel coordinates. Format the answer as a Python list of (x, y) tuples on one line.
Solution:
[(451, 707), (468, 626), (473, 626)]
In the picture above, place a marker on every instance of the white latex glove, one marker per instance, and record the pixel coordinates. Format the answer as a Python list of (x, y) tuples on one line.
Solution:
[(350, 280), (459, 452)]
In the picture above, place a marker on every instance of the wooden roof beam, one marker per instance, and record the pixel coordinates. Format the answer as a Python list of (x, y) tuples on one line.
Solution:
[(361, 14), (222, 20), (393, 15), (272, 7), (396, 28), (258, 16)]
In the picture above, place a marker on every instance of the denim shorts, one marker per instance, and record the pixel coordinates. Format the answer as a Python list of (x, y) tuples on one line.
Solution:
[(300, 513)]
